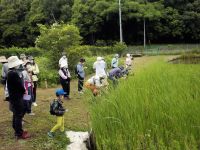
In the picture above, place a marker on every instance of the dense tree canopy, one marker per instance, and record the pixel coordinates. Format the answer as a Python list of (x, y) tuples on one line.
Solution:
[(169, 21)]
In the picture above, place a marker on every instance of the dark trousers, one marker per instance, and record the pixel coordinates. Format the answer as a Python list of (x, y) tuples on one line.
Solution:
[(66, 86), (34, 91), (17, 123), (29, 103), (80, 83), (114, 80)]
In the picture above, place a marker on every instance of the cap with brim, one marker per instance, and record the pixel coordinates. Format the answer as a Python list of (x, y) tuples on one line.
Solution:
[(14, 61), (3, 59), (60, 92)]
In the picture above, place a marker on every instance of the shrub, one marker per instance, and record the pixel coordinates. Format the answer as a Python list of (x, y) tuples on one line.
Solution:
[(17, 51), (56, 39)]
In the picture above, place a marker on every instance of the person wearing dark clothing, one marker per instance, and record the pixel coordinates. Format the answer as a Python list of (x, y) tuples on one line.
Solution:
[(117, 73), (65, 80), (80, 75), (16, 92)]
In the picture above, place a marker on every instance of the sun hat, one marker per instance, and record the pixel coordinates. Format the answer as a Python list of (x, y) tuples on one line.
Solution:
[(3, 59), (99, 58), (117, 55), (128, 55), (22, 56), (14, 61), (60, 92)]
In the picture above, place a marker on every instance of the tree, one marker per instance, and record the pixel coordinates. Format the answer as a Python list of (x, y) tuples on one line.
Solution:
[(56, 39)]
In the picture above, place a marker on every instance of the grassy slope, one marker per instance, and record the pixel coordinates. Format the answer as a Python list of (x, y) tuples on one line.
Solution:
[(157, 109)]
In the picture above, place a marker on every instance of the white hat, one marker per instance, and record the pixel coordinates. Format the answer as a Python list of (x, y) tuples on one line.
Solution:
[(99, 58), (128, 55), (14, 61), (116, 55), (3, 59)]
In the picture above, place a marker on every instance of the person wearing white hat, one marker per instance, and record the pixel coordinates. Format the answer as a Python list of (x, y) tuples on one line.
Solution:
[(115, 61), (99, 67), (65, 79), (128, 61), (63, 59), (16, 92)]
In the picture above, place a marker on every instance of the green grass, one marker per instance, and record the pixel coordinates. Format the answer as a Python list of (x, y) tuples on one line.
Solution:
[(158, 108)]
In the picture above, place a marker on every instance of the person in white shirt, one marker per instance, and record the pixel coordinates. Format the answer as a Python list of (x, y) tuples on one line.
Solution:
[(115, 61), (63, 60), (65, 79), (128, 61), (94, 83), (99, 67)]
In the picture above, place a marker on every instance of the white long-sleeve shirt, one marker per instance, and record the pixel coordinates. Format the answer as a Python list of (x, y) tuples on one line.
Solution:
[(63, 60), (99, 67)]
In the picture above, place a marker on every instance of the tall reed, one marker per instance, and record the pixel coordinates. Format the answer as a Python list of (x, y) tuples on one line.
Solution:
[(158, 108)]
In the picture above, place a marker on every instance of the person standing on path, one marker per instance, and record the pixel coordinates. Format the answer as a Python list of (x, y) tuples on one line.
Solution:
[(58, 110), (35, 72), (128, 61), (80, 74), (115, 61), (65, 79), (4, 73), (16, 92), (63, 59)]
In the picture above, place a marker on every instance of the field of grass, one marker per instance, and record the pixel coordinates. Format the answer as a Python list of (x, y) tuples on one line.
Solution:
[(158, 108)]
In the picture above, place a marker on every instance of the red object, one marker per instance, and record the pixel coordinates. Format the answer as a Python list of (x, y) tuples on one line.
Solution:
[(25, 135)]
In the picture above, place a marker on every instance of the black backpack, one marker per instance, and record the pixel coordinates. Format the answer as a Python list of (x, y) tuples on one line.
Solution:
[(53, 105), (76, 70)]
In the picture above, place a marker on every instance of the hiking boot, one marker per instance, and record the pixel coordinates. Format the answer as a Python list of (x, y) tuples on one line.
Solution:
[(25, 135), (50, 134), (34, 104)]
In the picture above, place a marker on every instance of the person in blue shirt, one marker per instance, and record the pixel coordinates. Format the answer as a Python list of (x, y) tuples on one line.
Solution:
[(115, 61), (80, 75)]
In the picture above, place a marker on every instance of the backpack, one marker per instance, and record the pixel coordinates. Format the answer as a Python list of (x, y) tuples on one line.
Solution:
[(76, 70), (53, 105)]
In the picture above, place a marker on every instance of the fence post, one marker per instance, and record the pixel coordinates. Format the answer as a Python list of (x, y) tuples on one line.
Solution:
[(46, 84)]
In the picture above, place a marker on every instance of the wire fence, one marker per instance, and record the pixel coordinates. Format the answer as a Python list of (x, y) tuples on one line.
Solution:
[(164, 49)]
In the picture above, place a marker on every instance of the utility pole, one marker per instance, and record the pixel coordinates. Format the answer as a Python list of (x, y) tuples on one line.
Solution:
[(120, 22), (144, 34), (145, 29)]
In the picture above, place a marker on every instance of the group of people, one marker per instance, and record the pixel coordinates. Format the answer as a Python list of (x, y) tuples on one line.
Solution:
[(94, 83), (19, 78), (99, 79)]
